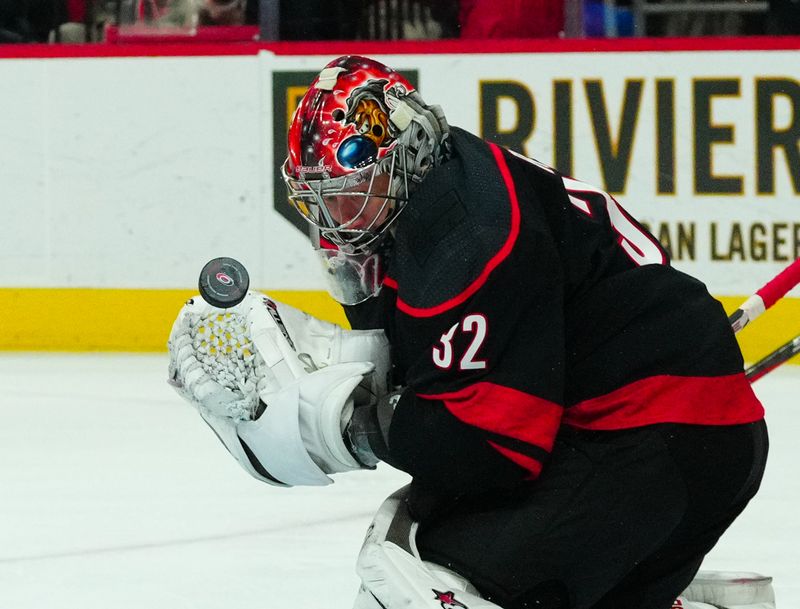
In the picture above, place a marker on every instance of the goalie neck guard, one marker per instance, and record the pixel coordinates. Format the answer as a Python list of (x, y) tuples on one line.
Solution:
[(359, 141)]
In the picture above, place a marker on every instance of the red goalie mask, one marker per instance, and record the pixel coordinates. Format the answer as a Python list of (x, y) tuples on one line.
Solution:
[(350, 161), (358, 142)]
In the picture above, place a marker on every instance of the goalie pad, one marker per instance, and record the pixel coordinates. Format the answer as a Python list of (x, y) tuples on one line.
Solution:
[(229, 363), (732, 590), (393, 576)]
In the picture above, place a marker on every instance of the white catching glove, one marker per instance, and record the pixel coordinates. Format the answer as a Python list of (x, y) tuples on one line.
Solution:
[(211, 371), (230, 363)]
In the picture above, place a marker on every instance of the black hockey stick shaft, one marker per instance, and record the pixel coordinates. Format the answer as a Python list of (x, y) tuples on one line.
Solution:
[(769, 362)]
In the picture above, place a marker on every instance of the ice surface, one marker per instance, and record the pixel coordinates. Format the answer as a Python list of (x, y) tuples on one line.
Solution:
[(115, 495)]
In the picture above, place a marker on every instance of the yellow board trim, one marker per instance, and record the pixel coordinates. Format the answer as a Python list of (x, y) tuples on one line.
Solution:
[(778, 325), (65, 319), (88, 319)]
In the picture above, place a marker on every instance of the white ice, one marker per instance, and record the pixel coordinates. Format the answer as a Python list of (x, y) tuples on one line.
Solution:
[(115, 495)]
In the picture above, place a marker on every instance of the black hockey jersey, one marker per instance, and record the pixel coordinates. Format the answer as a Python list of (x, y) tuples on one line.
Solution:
[(518, 300)]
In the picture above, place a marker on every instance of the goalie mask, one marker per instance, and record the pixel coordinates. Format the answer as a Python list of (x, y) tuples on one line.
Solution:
[(359, 142)]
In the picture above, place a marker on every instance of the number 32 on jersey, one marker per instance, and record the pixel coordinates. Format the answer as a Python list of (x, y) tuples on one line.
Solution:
[(476, 328)]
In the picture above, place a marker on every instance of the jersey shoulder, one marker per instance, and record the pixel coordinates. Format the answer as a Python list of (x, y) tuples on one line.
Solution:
[(460, 223)]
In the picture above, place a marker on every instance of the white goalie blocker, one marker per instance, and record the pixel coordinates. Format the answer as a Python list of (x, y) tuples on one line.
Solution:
[(276, 385)]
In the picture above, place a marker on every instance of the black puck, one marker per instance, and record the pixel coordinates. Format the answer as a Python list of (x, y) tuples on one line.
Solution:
[(223, 282)]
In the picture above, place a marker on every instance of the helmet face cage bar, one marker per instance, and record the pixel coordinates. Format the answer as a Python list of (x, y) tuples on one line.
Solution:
[(320, 202)]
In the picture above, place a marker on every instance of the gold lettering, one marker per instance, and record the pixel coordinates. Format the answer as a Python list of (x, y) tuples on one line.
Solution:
[(736, 244), (758, 243), (778, 241), (715, 255)]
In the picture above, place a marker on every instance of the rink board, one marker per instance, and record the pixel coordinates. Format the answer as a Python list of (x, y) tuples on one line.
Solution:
[(66, 319), (112, 203)]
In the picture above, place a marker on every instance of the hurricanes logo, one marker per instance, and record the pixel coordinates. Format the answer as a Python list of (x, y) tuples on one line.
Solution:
[(448, 600), (224, 279)]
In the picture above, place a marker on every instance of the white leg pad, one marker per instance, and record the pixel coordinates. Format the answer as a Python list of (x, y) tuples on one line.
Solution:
[(682, 603), (732, 590), (394, 577)]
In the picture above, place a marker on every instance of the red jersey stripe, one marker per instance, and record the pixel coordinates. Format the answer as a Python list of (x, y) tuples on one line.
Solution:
[(493, 263), (719, 400), (529, 463), (505, 411)]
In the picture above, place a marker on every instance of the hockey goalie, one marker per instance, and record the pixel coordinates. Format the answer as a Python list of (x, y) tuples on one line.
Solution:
[(571, 409)]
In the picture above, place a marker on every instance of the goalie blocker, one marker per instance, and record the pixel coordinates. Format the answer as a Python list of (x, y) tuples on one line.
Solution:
[(279, 387)]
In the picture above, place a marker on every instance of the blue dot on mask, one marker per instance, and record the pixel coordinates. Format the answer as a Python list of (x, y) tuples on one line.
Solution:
[(356, 151)]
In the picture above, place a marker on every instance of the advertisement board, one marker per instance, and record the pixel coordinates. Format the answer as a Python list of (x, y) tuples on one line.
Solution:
[(125, 194)]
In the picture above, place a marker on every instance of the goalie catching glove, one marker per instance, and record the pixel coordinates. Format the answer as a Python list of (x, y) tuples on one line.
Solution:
[(277, 385)]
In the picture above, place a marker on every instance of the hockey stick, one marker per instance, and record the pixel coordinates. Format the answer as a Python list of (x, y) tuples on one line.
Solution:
[(768, 295), (769, 362), (763, 299)]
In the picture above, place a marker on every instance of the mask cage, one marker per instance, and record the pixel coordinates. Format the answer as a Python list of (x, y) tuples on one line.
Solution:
[(320, 202)]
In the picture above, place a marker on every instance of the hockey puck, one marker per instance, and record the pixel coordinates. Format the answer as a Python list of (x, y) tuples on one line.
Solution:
[(223, 282)]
